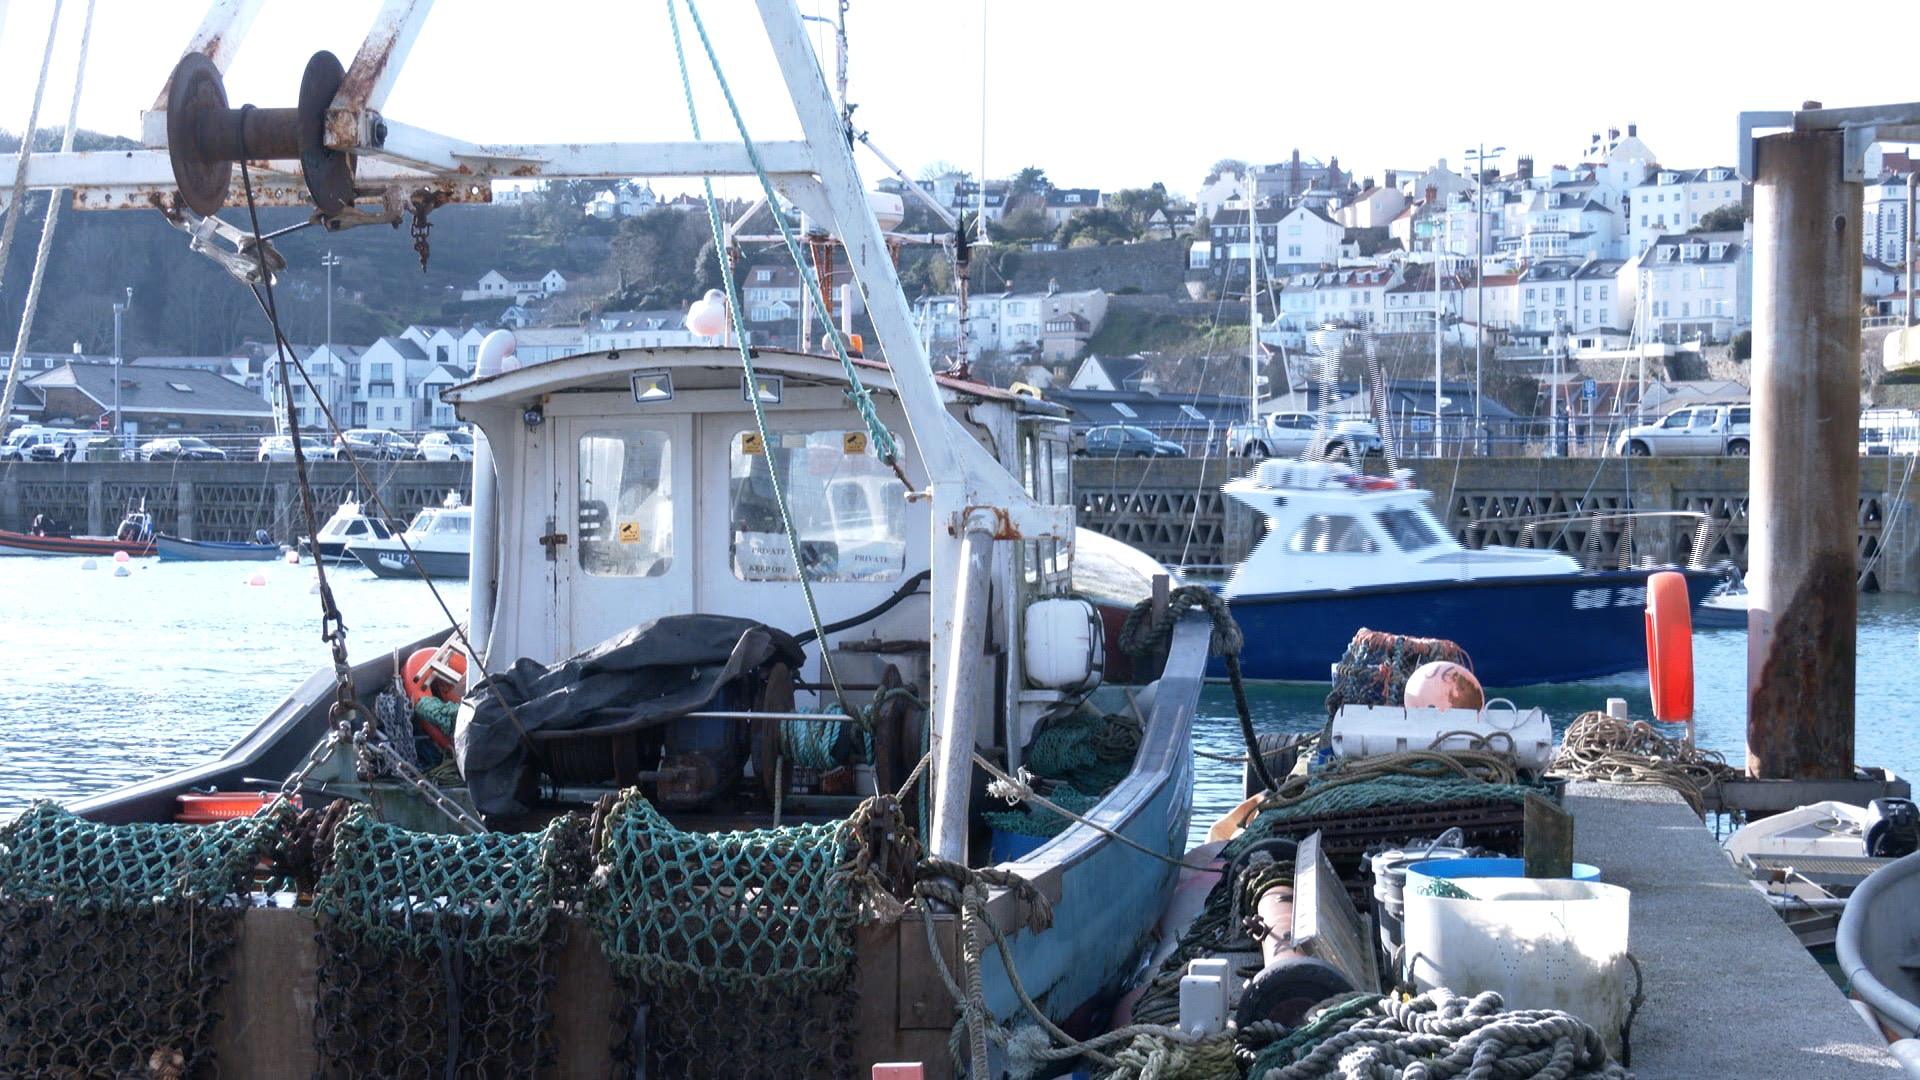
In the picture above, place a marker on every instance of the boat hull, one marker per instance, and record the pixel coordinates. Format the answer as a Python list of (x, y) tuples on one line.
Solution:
[(182, 550), (14, 543), (1517, 631), (398, 563)]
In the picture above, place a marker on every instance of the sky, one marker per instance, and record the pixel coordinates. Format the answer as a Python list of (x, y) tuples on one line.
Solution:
[(1104, 93)]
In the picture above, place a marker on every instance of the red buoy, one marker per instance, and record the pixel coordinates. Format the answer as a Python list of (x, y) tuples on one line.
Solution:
[(1670, 646)]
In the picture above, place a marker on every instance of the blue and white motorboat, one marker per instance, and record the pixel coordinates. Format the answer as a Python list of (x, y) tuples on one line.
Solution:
[(179, 549), (439, 542), (1343, 550)]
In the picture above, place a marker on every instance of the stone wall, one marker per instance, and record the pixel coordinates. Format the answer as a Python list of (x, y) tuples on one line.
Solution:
[(214, 500), (1152, 266)]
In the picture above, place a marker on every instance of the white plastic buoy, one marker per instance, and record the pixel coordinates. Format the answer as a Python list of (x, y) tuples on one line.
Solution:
[(257, 580), (122, 571), (87, 564), (293, 557), (121, 556)]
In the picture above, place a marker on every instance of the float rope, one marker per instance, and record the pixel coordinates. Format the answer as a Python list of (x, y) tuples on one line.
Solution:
[(1614, 751)]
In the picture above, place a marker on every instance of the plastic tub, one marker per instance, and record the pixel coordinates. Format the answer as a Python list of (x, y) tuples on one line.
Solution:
[(1008, 847), (197, 808), (1540, 943), (1490, 868)]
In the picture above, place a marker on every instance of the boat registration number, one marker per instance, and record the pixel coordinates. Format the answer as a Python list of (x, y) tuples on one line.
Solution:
[(1623, 596)]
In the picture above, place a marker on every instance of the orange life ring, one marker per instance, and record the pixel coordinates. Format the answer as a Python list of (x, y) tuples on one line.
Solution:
[(1670, 646), (421, 675)]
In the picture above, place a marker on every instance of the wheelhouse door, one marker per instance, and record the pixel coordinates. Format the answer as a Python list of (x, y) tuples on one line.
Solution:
[(627, 492)]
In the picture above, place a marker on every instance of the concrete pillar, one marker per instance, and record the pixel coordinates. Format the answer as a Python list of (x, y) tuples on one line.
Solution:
[(183, 505), (11, 513), (288, 521), (97, 507), (1805, 465)]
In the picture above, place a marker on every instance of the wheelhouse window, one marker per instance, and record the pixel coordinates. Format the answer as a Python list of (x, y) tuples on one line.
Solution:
[(1332, 534), (1407, 529), (626, 503), (848, 508)]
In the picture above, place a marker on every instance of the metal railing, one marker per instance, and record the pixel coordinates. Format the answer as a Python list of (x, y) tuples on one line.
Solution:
[(1593, 552)]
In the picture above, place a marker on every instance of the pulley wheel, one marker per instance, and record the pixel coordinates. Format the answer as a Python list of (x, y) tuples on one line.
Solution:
[(329, 172), (196, 92)]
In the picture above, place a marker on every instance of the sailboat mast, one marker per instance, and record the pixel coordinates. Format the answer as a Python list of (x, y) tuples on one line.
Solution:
[(1253, 313), (1436, 348)]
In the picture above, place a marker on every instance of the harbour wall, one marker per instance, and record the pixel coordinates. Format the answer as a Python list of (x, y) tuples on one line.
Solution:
[(1173, 509), (215, 500)]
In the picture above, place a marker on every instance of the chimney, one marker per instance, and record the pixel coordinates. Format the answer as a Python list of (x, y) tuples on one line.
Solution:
[(1433, 194), (1524, 170), (1633, 130), (1393, 178)]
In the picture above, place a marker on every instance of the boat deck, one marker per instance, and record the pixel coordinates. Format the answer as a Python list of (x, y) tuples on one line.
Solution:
[(1730, 992)]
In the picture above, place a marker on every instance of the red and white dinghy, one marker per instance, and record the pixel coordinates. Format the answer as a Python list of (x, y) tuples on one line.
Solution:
[(135, 537)]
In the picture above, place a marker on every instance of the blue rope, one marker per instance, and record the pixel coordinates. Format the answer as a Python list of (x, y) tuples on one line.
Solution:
[(746, 359), (883, 442)]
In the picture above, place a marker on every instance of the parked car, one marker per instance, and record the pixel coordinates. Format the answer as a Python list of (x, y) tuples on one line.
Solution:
[(181, 448), (1125, 440), (376, 443), (1293, 434), (55, 445), (446, 446), (280, 448), (1693, 429)]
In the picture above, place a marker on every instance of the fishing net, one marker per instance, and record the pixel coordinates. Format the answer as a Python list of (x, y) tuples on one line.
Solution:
[(1375, 668), (115, 941), (734, 951), (437, 952), (1086, 754)]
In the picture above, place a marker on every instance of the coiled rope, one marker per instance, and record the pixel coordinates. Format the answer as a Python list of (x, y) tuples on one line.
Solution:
[(1615, 751), (1438, 1035), (1143, 634)]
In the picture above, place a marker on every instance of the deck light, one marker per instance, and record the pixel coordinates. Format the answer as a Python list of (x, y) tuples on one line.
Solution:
[(652, 387), (769, 388)]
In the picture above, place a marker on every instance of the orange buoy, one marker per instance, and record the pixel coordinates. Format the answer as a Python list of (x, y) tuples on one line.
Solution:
[(1670, 646), (441, 672)]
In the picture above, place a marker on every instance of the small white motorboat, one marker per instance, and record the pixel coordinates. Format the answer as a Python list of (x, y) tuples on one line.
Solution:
[(348, 524)]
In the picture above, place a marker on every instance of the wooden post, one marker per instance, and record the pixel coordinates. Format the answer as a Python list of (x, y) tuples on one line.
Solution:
[(1546, 843), (1804, 502)]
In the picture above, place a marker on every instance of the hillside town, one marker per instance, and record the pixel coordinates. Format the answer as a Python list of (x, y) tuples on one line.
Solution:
[(1615, 286)]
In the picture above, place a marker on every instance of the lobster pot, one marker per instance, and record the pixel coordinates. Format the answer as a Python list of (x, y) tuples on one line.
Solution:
[(1540, 943)]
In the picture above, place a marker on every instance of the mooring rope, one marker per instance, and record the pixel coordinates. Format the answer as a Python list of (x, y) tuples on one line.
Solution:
[(1614, 751)]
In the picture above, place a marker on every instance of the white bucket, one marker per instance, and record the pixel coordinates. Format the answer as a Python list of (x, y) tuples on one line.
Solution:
[(1541, 943)]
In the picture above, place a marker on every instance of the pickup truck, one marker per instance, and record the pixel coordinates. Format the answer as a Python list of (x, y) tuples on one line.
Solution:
[(1694, 429), (1293, 434)]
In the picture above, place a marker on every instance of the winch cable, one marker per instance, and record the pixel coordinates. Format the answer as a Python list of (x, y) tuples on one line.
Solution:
[(882, 439), (19, 203), (333, 626)]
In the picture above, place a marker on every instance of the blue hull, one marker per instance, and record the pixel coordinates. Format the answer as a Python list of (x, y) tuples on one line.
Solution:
[(1518, 631), (396, 563), (174, 547)]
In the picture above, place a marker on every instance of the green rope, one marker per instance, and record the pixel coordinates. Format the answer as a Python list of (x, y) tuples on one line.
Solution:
[(1086, 753), (738, 318), (1382, 792), (49, 854), (883, 442)]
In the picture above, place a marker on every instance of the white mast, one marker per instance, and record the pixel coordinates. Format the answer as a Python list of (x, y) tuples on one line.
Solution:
[(1436, 344), (1253, 315)]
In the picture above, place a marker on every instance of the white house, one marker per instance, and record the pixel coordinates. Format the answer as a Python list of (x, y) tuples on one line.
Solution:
[(493, 285), (431, 411), (1354, 296), (1373, 207), (1220, 193), (389, 370), (624, 199), (456, 345), (1292, 241), (1571, 219), (637, 330), (1883, 224), (1674, 200), (537, 344), (1408, 304), (1054, 324), (335, 372), (1694, 285)]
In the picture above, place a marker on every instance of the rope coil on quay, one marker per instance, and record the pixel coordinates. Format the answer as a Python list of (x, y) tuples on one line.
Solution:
[(1615, 751)]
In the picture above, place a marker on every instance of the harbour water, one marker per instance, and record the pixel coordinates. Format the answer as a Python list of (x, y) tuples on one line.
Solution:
[(110, 679)]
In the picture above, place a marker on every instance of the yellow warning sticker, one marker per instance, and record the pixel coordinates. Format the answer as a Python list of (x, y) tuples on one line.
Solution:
[(629, 532), (854, 442), (750, 443)]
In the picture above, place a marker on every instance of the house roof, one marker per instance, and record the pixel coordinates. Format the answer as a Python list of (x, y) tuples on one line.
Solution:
[(177, 390), (404, 346), (666, 319), (1731, 253), (1093, 408)]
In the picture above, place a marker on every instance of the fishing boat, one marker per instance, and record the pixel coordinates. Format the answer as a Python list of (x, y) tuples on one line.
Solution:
[(348, 524), (1342, 550), (748, 629), (438, 542), (135, 536), (260, 549), (1875, 948)]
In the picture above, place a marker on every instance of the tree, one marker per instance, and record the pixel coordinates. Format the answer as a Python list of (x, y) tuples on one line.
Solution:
[(1729, 218), (1097, 226), (1028, 181), (934, 170), (1138, 205), (1022, 225), (1226, 166)]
